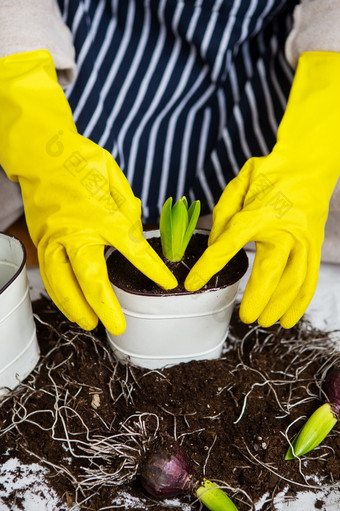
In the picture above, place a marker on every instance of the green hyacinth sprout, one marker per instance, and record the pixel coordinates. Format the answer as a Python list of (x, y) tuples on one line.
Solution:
[(313, 432), (322, 421), (214, 498), (177, 224)]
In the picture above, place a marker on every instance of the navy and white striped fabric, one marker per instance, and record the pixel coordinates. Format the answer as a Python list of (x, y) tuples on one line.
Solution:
[(181, 92)]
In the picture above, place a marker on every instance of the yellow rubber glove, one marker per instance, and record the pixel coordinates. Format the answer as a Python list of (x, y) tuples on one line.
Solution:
[(281, 201), (76, 199)]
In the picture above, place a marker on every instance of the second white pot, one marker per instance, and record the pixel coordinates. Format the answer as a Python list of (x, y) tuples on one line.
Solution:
[(168, 329), (19, 350)]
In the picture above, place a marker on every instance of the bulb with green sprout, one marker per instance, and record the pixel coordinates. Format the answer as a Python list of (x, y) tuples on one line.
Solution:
[(177, 224), (166, 471), (322, 421)]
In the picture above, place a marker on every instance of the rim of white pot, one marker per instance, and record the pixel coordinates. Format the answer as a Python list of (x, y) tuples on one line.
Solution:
[(22, 261), (156, 233)]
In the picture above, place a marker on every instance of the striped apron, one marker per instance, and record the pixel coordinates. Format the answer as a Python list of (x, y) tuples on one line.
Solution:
[(181, 92)]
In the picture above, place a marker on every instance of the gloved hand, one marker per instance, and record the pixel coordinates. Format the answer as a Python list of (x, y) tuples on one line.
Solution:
[(281, 201), (76, 199)]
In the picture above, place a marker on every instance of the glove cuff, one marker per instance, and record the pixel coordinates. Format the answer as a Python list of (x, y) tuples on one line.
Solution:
[(33, 109)]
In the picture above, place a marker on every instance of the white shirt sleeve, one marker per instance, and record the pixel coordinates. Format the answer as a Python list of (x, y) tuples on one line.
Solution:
[(28, 25), (316, 28)]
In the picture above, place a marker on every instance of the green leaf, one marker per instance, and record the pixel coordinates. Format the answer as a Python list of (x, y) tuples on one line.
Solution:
[(313, 432), (179, 227), (185, 202), (193, 215), (214, 498), (165, 227)]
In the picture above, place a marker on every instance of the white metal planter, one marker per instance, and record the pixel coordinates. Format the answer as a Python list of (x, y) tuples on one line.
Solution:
[(164, 330), (19, 350)]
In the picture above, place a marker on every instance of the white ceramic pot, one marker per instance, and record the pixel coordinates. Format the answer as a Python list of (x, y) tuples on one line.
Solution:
[(163, 330), (19, 350)]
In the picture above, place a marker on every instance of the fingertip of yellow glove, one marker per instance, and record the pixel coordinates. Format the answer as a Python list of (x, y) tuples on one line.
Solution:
[(107, 308), (87, 322), (163, 278), (289, 320), (269, 316), (273, 314), (246, 318), (249, 312), (115, 324), (298, 308), (76, 310), (169, 281), (145, 258), (266, 322), (194, 281)]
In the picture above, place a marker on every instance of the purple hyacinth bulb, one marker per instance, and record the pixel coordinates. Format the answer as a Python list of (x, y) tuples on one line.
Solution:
[(166, 471), (332, 388)]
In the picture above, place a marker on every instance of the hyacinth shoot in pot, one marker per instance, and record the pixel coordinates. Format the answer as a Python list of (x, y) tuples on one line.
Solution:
[(164, 328)]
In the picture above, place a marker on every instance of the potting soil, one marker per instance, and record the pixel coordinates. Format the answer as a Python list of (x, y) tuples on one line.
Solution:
[(86, 419)]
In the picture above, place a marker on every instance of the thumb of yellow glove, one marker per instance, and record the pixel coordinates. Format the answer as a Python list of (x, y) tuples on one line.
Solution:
[(281, 201)]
